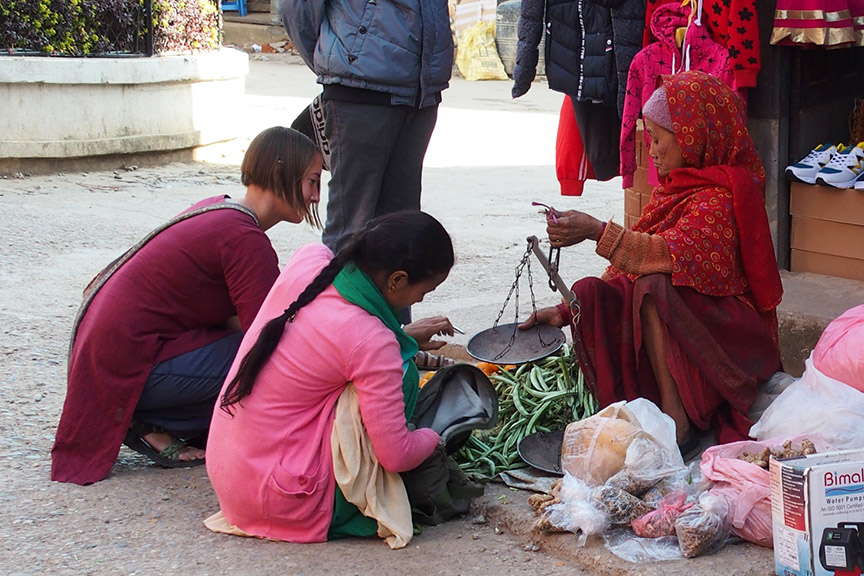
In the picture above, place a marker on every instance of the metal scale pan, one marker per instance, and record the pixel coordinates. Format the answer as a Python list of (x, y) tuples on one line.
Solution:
[(494, 344), (542, 450)]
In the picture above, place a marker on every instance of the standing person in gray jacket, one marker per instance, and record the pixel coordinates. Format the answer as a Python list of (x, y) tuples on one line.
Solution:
[(383, 65)]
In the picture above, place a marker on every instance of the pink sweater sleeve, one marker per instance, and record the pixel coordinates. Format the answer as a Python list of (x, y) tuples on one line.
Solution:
[(629, 116), (377, 375)]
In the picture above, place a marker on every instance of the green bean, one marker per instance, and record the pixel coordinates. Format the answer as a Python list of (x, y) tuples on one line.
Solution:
[(535, 397)]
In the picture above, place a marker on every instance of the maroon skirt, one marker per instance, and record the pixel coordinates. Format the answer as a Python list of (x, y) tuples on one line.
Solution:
[(718, 349)]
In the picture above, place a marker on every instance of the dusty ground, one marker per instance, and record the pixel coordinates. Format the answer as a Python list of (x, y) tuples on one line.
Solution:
[(489, 158)]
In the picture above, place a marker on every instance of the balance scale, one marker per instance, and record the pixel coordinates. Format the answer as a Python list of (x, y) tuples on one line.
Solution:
[(505, 343)]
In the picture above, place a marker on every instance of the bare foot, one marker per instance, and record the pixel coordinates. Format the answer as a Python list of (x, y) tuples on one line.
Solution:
[(161, 440)]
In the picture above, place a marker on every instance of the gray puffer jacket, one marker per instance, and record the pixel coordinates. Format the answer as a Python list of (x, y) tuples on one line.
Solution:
[(401, 47)]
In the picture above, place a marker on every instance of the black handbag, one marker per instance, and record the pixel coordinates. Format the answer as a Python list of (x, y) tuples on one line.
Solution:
[(457, 400)]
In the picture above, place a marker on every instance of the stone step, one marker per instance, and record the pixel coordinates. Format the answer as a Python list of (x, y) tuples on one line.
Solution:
[(254, 28), (810, 303)]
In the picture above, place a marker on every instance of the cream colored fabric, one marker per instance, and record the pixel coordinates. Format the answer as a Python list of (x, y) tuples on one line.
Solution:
[(218, 523), (378, 494)]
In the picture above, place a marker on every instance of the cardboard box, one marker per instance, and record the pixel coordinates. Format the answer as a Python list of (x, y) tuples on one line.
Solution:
[(817, 263), (632, 202), (637, 197), (813, 500), (827, 237), (827, 230), (827, 203)]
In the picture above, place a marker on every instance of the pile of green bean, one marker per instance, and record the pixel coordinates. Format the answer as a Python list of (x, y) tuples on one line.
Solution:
[(537, 396)]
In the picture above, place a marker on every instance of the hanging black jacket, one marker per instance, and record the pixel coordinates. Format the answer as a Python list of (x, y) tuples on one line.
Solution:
[(580, 59), (628, 26)]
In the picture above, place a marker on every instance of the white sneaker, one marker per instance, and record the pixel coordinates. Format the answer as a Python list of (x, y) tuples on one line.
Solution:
[(844, 169), (859, 185), (806, 169)]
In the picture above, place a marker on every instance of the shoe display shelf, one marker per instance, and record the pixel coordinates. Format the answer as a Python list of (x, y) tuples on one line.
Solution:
[(637, 196), (827, 230)]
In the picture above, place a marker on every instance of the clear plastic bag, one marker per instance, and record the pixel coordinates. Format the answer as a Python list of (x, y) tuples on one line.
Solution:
[(634, 435), (595, 449), (631, 484), (815, 404), (631, 548), (654, 456), (661, 522), (703, 529), (575, 513), (619, 506)]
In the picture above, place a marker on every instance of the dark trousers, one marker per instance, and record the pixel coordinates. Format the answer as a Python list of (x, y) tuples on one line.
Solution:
[(180, 393), (600, 129), (376, 163)]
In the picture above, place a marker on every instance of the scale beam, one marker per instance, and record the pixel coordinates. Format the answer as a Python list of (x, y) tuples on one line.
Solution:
[(552, 271)]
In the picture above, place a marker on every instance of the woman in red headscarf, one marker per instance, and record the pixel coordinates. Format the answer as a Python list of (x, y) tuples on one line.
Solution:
[(685, 315)]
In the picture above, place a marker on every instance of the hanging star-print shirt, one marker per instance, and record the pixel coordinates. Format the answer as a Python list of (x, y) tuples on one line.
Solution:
[(664, 57), (733, 24)]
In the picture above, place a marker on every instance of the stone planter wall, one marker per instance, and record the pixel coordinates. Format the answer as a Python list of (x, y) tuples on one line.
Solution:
[(61, 108)]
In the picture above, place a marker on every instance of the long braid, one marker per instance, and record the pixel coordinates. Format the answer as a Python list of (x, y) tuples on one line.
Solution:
[(411, 241), (268, 339)]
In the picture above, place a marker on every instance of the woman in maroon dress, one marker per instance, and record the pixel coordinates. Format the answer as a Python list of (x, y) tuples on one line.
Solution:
[(160, 326)]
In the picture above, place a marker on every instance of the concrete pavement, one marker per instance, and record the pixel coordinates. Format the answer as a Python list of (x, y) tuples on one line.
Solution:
[(489, 158)]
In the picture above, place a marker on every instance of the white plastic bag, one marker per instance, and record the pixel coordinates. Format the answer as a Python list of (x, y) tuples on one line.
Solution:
[(575, 513), (633, 435), (659, 458), (594, 449), (815, 404)]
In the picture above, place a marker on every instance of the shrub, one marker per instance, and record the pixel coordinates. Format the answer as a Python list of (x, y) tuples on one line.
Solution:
[(185, 25), (88, 27)]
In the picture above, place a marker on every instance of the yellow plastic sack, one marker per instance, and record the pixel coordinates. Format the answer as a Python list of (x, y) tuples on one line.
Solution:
[(477, 57)]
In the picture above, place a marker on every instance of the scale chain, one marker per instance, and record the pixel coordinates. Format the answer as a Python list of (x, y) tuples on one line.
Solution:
[(514, 290)]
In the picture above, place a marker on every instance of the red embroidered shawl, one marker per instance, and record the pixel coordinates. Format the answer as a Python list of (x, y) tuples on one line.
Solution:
[(714, 206)]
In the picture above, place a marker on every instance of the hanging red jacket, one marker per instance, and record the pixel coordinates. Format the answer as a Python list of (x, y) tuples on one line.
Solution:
[(571, 162)]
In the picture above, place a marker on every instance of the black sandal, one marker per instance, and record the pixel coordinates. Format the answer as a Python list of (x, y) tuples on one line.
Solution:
[(169, 457)]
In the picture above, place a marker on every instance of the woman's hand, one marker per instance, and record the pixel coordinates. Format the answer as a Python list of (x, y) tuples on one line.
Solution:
[(424, 329), (572, 227), (549, 315)]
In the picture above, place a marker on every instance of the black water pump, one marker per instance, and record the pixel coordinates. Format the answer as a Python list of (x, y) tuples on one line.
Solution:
[(842, 549)]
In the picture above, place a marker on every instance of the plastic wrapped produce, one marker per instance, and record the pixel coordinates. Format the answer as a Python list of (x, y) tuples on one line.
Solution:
[(702, 529), (594, 449), (661, 522), (621, 507)]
